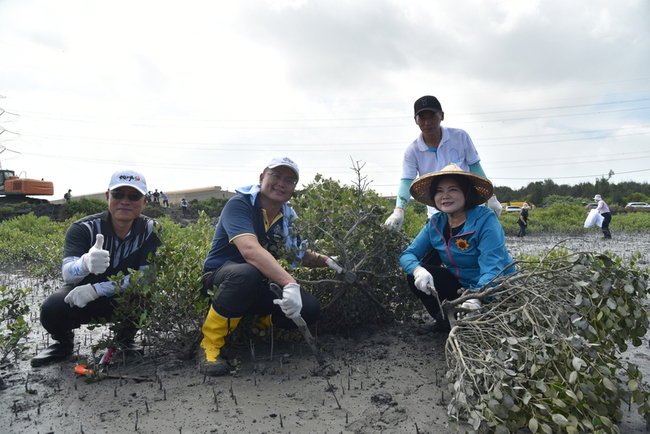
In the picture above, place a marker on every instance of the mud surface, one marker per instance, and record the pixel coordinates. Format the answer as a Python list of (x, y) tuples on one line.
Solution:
[(386, 379)]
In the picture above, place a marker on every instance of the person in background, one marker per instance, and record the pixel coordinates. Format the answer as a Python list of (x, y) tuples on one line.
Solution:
[(435, 148), (523, 220), (603, 209), (97, 247), (68, 195), (468, 238), (156, 197), (184, 205), (164, 198), (254, 231)]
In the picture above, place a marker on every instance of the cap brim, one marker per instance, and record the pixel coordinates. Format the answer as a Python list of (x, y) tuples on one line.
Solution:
[(435, 110), (113, 187), (287, 166)]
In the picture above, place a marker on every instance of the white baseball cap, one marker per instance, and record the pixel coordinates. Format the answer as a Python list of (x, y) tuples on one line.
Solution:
[(278, 161), (128, 178), (598, 197)]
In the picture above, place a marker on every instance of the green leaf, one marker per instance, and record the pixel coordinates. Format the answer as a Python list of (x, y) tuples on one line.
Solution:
[(573, 377), (609, 385), (578, 363), (533, 425), (560, 420), (632, 385)]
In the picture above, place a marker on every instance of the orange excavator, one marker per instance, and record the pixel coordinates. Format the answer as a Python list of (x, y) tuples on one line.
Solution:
[(13, 187)]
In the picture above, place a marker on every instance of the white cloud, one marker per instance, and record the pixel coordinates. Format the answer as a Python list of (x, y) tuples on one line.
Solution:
[(206, 93)]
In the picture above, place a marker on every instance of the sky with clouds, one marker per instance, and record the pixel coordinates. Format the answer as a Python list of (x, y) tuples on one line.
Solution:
[(202, 93)]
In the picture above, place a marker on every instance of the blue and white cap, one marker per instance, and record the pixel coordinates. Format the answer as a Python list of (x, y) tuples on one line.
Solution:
[(128, 178), (284, 161)]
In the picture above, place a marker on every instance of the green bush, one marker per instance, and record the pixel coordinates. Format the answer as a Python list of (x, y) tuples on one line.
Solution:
[(211, 207), (415, 217), (636, 197), (82, 207), (165, 300), (154, 211), (14, 308), (33, 242), (346, 221), (568, 200)]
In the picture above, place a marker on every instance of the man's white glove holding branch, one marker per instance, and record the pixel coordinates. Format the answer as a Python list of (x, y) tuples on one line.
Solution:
[(333, 263), (424, 280), (97, 260), (291, 301), (494, 205), (395, 220)]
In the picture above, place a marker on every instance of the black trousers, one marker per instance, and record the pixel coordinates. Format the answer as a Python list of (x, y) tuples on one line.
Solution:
[(446, 284), (607, 217), (522, 229), (241, 289), (58, 318)]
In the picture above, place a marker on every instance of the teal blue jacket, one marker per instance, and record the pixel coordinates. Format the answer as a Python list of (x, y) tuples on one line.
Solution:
[(475, 256)]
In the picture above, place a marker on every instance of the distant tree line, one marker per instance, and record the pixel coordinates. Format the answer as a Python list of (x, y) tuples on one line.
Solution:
[(537, 192)]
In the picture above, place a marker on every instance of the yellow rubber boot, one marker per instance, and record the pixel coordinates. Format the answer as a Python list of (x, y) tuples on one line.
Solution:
[(215, 329), (261, 325)]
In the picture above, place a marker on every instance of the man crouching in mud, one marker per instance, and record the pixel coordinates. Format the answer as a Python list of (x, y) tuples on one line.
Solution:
[(253, 229), (96, 247)]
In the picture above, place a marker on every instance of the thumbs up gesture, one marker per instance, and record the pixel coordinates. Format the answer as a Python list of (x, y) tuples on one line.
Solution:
[(97, 259)]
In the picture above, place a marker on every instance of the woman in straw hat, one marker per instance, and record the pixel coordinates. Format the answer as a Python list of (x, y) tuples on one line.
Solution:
[(468, 237)]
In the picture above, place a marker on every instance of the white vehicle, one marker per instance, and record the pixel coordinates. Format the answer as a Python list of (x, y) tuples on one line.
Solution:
[(512, 208), (637, 205)]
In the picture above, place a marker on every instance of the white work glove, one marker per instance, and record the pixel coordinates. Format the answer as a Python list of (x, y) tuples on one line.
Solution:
[(495, 205), (81, 296), (395, 220), (424, 280), (291, 302), (473, 304), (97, 259), (334, 265)]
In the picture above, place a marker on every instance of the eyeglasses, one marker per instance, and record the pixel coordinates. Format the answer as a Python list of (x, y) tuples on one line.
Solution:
[(291, 182), (133, 197)]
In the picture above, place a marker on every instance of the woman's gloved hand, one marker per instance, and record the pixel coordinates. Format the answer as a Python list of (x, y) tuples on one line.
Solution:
[(423, 280)]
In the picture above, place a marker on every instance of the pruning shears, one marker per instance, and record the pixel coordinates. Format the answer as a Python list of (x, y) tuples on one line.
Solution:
[(84, 370), (435, 294), (103, 362)]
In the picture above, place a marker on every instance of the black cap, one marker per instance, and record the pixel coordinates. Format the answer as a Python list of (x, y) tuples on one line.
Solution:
[(427, 102)]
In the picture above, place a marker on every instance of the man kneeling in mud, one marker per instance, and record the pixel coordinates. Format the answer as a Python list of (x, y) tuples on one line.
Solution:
[(96, 247), (254, 228)]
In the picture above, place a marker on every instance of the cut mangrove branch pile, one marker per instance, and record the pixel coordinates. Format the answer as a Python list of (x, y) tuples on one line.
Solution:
[(544, 352)]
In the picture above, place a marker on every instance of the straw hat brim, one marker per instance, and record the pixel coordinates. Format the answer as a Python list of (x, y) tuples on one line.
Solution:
[(421, 187)]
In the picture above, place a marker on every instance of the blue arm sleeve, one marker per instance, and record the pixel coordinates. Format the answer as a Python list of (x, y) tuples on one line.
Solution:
[(476, 168), (403, 194)]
